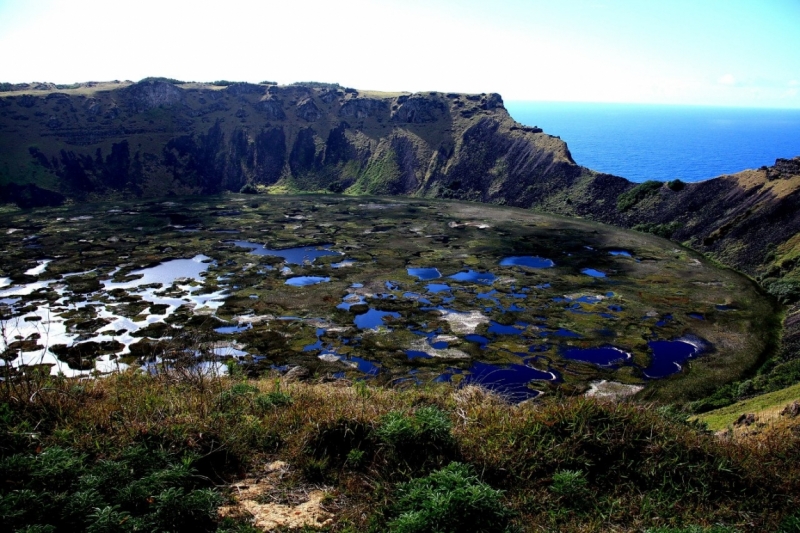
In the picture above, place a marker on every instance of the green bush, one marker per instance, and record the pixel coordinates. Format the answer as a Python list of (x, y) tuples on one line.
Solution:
[(316, 85), (356, 458), (428, 427), (452, 499), (638, 193), (662, 230), (108, 519), (161, 79), (397, 430), (143, 489), (786, 291), (273, 399), (676, 185)]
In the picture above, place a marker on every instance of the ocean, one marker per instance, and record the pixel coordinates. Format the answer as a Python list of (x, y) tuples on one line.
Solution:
[(659, 142)]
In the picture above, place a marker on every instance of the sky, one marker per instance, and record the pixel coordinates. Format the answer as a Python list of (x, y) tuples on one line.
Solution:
[(740, 53)]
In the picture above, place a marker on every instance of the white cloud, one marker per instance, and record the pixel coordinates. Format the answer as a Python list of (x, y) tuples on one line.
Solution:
[(727, 79)]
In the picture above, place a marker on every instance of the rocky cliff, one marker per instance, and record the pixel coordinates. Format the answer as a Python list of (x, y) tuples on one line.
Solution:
[(156, 137), (159, 137)]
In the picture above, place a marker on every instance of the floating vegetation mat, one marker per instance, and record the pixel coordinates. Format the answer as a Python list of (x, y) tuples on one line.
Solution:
[(415, 291)]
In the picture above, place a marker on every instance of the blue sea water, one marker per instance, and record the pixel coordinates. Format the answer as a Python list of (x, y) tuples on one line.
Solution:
[(659, 142)]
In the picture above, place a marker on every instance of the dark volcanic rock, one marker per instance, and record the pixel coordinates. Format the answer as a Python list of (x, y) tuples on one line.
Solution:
[(418, 109), (308, 110), (363, 108), (238, 89), (150, 94), (272, 109)]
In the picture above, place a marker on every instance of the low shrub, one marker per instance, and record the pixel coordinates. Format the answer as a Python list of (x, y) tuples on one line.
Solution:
[(676, 185), (638, 193), (428, 427), (141, 490), (452, 499), (662, 230), (786, 291)]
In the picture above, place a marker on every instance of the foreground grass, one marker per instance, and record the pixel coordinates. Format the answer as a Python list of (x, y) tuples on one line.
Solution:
[(134, 452)]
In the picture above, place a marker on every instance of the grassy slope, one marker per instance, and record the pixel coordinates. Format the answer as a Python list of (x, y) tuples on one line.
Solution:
[(563, 464), (766, 407)]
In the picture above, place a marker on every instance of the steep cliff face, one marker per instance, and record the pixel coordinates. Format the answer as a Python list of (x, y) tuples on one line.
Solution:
[(156, 137)]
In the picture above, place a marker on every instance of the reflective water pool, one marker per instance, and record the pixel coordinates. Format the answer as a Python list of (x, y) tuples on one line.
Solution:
[(302, 281), (669, 357), (601, 356), (424, 274), (292, 256), (373, 318), (530, 261)]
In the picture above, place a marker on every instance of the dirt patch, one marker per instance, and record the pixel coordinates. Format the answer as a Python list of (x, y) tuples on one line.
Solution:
[(272, 507), (612, 390)]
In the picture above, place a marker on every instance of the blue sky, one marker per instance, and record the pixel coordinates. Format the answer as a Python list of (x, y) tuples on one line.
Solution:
[(702, 52)]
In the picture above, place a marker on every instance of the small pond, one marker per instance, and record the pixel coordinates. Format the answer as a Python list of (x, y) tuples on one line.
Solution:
[(530, 261), (292, 256), (511, 381), (601, 356), (373, 318), (669, 357), (485, 278), (302, 281), (425, 274), (593, 273)]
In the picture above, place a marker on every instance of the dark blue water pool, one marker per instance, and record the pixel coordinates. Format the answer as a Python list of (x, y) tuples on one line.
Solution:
[(373, 318), (480, 339), (486, 278), (425, 274), (623, 253), (593, 273), (509, 380), (666, 319), (437, 287), (601, 356), (530, 261), (363, 365), (500, 329), (669, 357)]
